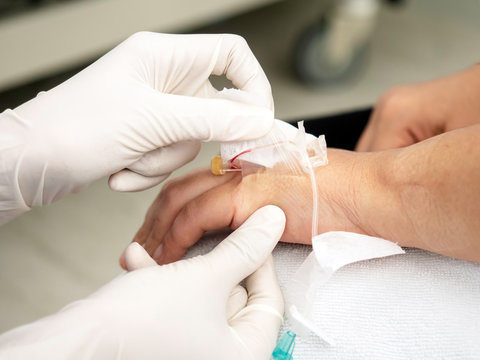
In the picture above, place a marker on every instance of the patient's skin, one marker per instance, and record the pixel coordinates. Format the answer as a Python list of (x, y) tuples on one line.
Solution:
[(426, 195), (200, 201), (182, 211), (407, 114)]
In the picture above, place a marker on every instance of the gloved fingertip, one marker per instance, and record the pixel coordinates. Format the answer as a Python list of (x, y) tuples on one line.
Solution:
[(136, 257), (271, 216), (267, 120), (245, 122), (115, 183), (247, 248), (129, 181)]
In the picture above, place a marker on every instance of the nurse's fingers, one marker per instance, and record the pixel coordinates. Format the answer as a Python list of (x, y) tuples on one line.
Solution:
[(263, 287), (238, 63), (126, 180), (248, 247), (154, 167), (166, 159), (236, 301), (259, 322), (137, 258)]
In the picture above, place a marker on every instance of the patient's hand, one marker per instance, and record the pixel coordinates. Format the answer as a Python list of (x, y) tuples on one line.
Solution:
[(200, 201), (425, 195), (411, 113)]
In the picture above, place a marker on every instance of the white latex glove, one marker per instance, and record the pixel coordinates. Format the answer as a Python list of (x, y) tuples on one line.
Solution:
[(176, 311), (144, 107)]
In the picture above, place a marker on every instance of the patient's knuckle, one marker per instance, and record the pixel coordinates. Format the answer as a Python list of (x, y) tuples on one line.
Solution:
[(393, 102), (173, 184), (167, 185), (391, 98), (171, 195), (190, 211), (167, 194), (176, 238)]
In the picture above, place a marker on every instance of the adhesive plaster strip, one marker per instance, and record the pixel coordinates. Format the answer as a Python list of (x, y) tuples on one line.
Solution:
[(331, 251)]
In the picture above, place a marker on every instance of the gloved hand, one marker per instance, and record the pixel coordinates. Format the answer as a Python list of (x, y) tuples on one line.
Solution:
[(139, 112), (177, 311)]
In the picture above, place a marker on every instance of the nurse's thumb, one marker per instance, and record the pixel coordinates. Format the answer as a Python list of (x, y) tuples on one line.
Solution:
[(248, 247), (186, 118)]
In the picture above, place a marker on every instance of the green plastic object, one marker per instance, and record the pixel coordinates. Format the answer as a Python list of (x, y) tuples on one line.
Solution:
[(284, 348)]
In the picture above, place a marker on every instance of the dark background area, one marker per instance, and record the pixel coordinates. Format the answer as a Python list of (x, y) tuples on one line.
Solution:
[(342, 130)]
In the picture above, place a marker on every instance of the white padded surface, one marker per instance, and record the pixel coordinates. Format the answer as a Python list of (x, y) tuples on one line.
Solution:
[(418, 305)]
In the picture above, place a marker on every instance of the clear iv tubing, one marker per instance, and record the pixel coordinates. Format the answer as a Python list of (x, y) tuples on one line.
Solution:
[(313, 181), (218, 167), (266, 146)]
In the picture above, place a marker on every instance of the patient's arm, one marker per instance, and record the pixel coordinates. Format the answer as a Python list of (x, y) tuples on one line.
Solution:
[(426, 195), (433, 194)]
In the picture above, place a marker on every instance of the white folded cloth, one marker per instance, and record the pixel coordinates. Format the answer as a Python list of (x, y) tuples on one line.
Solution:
[(413, 306)]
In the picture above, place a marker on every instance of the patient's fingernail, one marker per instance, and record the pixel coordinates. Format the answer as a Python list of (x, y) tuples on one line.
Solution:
[(158, 252)]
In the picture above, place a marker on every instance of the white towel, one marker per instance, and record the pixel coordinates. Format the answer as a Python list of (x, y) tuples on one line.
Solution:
[(413, 306)]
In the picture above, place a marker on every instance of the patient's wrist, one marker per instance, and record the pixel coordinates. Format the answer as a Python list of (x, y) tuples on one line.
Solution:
[(379, 206), (360, 192), (340, 185)]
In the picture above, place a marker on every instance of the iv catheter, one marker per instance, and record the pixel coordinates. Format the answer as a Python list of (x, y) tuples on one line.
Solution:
[(219, 167)]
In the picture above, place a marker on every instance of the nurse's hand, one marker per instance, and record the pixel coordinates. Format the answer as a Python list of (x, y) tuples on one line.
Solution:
[(408, 114), (192, 309), (137, 114)]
